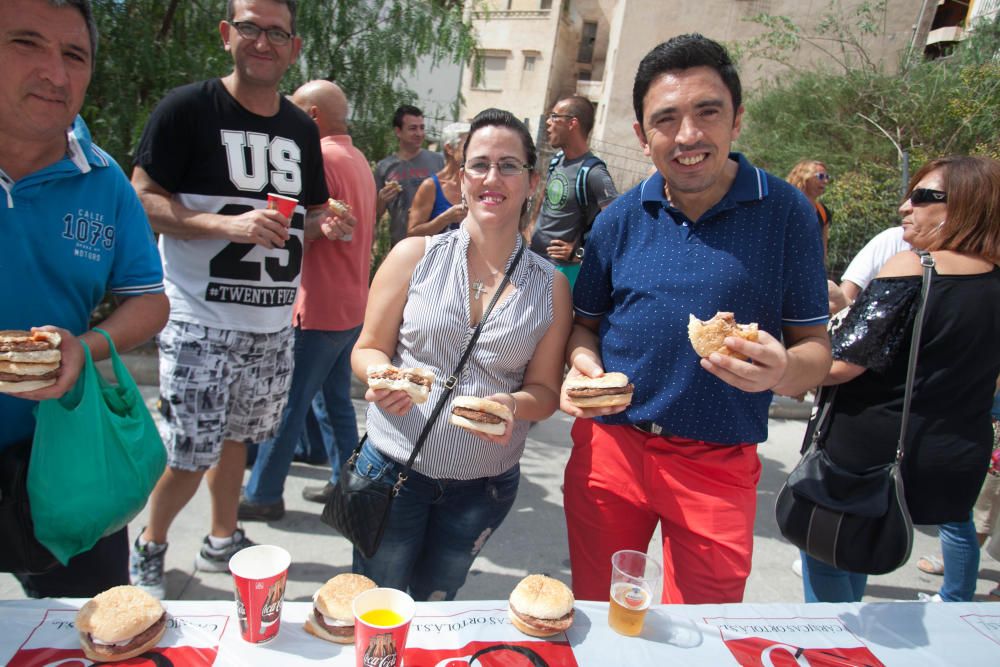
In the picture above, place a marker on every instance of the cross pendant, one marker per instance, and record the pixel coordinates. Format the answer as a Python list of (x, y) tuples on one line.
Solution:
[(478, 287)]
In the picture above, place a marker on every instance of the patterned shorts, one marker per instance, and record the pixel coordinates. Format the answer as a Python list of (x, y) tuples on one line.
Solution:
[(218, 385)]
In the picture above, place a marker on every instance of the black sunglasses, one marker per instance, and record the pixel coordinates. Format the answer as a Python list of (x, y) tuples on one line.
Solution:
[(919, 196)]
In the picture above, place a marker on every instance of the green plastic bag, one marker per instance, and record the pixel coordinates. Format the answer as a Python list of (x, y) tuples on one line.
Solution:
[(95, 458)]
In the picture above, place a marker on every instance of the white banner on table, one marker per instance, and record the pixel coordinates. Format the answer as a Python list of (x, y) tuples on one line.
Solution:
[(777, 642), (189, 640), (988, 625)]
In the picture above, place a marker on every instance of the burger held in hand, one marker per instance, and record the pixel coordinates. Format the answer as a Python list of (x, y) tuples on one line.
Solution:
[(120, 623), (710, 336), (541, 606), (607, 390), (480, 414), (416, 382), (29, 360), (332, 618)]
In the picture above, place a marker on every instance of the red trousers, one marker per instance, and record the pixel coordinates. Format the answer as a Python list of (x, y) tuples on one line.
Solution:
[(620, 482)]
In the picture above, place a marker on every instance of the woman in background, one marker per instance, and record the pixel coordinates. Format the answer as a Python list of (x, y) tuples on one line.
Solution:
[(437, 206), (811, 177)]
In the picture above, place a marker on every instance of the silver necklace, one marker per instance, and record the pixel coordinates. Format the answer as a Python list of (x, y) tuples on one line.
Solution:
[(478, 287)]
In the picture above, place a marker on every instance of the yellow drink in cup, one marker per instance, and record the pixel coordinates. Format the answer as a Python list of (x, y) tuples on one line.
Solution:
[(385, 618), (628, 608)]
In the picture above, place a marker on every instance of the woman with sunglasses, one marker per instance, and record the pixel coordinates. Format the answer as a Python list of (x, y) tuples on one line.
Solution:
[(952, 210), (424, 303), (811, 177)]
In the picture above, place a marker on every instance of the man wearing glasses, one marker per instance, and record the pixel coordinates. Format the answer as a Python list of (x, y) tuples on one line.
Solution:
[(208, 158), (578, 187)]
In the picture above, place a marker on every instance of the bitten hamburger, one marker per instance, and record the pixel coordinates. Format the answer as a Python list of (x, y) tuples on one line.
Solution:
[(607, 390), (709, 336), (332, 618), (120, 623), (338, 207), (541, 606), (416, 382), (29, 360), (480, 414)]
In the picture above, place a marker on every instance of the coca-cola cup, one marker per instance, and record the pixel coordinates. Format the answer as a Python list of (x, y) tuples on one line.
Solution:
[(381, 622), (283, 205), (259, 576)]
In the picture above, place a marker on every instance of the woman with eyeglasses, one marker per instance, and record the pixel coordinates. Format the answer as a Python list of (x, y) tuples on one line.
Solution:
[(425, 301), (437, 205), (952, 210), (811, 177)]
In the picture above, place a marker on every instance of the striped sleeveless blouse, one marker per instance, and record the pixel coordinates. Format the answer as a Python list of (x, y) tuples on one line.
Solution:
[(434, 332)]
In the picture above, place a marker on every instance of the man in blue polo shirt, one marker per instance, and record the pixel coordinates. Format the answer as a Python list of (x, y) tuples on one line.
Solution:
[(707, 232), (73, 229)]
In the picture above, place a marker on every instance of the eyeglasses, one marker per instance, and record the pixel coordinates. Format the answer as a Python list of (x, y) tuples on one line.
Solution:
[(823, 176), (250, 30), (555, 116), (920, 196), (510, 167)]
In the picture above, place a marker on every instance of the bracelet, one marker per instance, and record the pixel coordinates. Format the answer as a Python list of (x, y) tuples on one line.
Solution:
[(514, 401)]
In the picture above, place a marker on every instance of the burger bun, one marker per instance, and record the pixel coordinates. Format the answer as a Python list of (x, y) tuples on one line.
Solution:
[(394, 379), (333, 600), (117, 615), (709, 336), (485, 405), (608, 381), (541, 606)]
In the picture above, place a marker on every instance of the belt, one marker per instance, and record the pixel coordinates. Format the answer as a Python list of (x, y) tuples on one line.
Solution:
[(652, 428)]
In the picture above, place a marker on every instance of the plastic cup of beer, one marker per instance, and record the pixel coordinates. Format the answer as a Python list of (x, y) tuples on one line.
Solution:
[(282, 204), (382, 619), (259, 576), (635, 581)]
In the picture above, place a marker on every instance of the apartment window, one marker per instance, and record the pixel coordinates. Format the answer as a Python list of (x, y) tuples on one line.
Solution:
[(587, 40), (545, 4), (583, 75), (529, 63), (493, 69)]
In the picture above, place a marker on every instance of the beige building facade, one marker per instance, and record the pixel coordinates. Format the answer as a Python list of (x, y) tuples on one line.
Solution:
[(535, 52)]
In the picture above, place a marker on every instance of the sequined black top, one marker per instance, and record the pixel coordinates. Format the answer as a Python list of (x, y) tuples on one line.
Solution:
[(950, 434)]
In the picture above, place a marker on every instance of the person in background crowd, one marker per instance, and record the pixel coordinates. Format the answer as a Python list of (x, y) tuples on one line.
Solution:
[(811, 177), (869, 261), (329, 309), (578, 187), (73, 231), (398, 176), (427, 295), (207, 159), (708, 232), (438, 205), (952, 210)]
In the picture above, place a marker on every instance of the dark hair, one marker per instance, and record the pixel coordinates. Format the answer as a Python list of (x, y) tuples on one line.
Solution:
[(972, 222), (83, 6), (405, 110), (681, 53), (583, 110), (293, 6), (502, 118)]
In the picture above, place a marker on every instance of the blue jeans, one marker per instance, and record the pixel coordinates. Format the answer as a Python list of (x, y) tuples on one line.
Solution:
[(322, 363), (960, 553), (436, 528), (317, 434), (826, 583)]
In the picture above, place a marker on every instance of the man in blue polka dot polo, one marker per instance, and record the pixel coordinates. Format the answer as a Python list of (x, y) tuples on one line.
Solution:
[(706, 232)]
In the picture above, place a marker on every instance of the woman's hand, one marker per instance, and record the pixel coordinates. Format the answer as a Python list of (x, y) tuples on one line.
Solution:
[(394, 402)]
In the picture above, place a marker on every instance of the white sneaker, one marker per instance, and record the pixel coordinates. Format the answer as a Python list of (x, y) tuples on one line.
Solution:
[(924, 597), (146, 567), (797, 566)]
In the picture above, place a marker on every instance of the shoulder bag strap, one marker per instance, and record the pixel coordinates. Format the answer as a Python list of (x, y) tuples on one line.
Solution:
[(452, 380), (927, 262)]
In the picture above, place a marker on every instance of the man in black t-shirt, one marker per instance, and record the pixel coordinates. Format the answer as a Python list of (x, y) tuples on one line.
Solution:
[(208, 158)]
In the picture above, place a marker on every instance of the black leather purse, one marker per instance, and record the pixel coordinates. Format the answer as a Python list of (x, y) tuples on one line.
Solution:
[(856, 522), (359, 506)]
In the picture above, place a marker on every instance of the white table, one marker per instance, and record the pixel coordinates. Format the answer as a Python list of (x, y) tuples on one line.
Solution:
[(907, 634)]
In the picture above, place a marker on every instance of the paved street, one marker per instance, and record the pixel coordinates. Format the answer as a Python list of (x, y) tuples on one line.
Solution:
[(533, 538)]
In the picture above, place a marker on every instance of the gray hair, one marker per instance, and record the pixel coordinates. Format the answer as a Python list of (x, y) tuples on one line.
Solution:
[(451, 135), (83, 6)]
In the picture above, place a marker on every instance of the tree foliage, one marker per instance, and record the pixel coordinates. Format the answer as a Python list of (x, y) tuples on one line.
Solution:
[(860, 120), (148, 47)]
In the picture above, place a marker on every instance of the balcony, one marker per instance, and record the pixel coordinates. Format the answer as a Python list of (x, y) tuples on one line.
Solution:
[(511, 14), (951, 33), (590, 89)]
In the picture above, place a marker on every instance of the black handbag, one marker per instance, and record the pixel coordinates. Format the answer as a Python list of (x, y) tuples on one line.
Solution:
[(856, 522), (21, 552), (359, 506)]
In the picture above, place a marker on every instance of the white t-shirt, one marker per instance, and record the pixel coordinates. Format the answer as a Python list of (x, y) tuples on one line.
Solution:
[(869, 261)]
